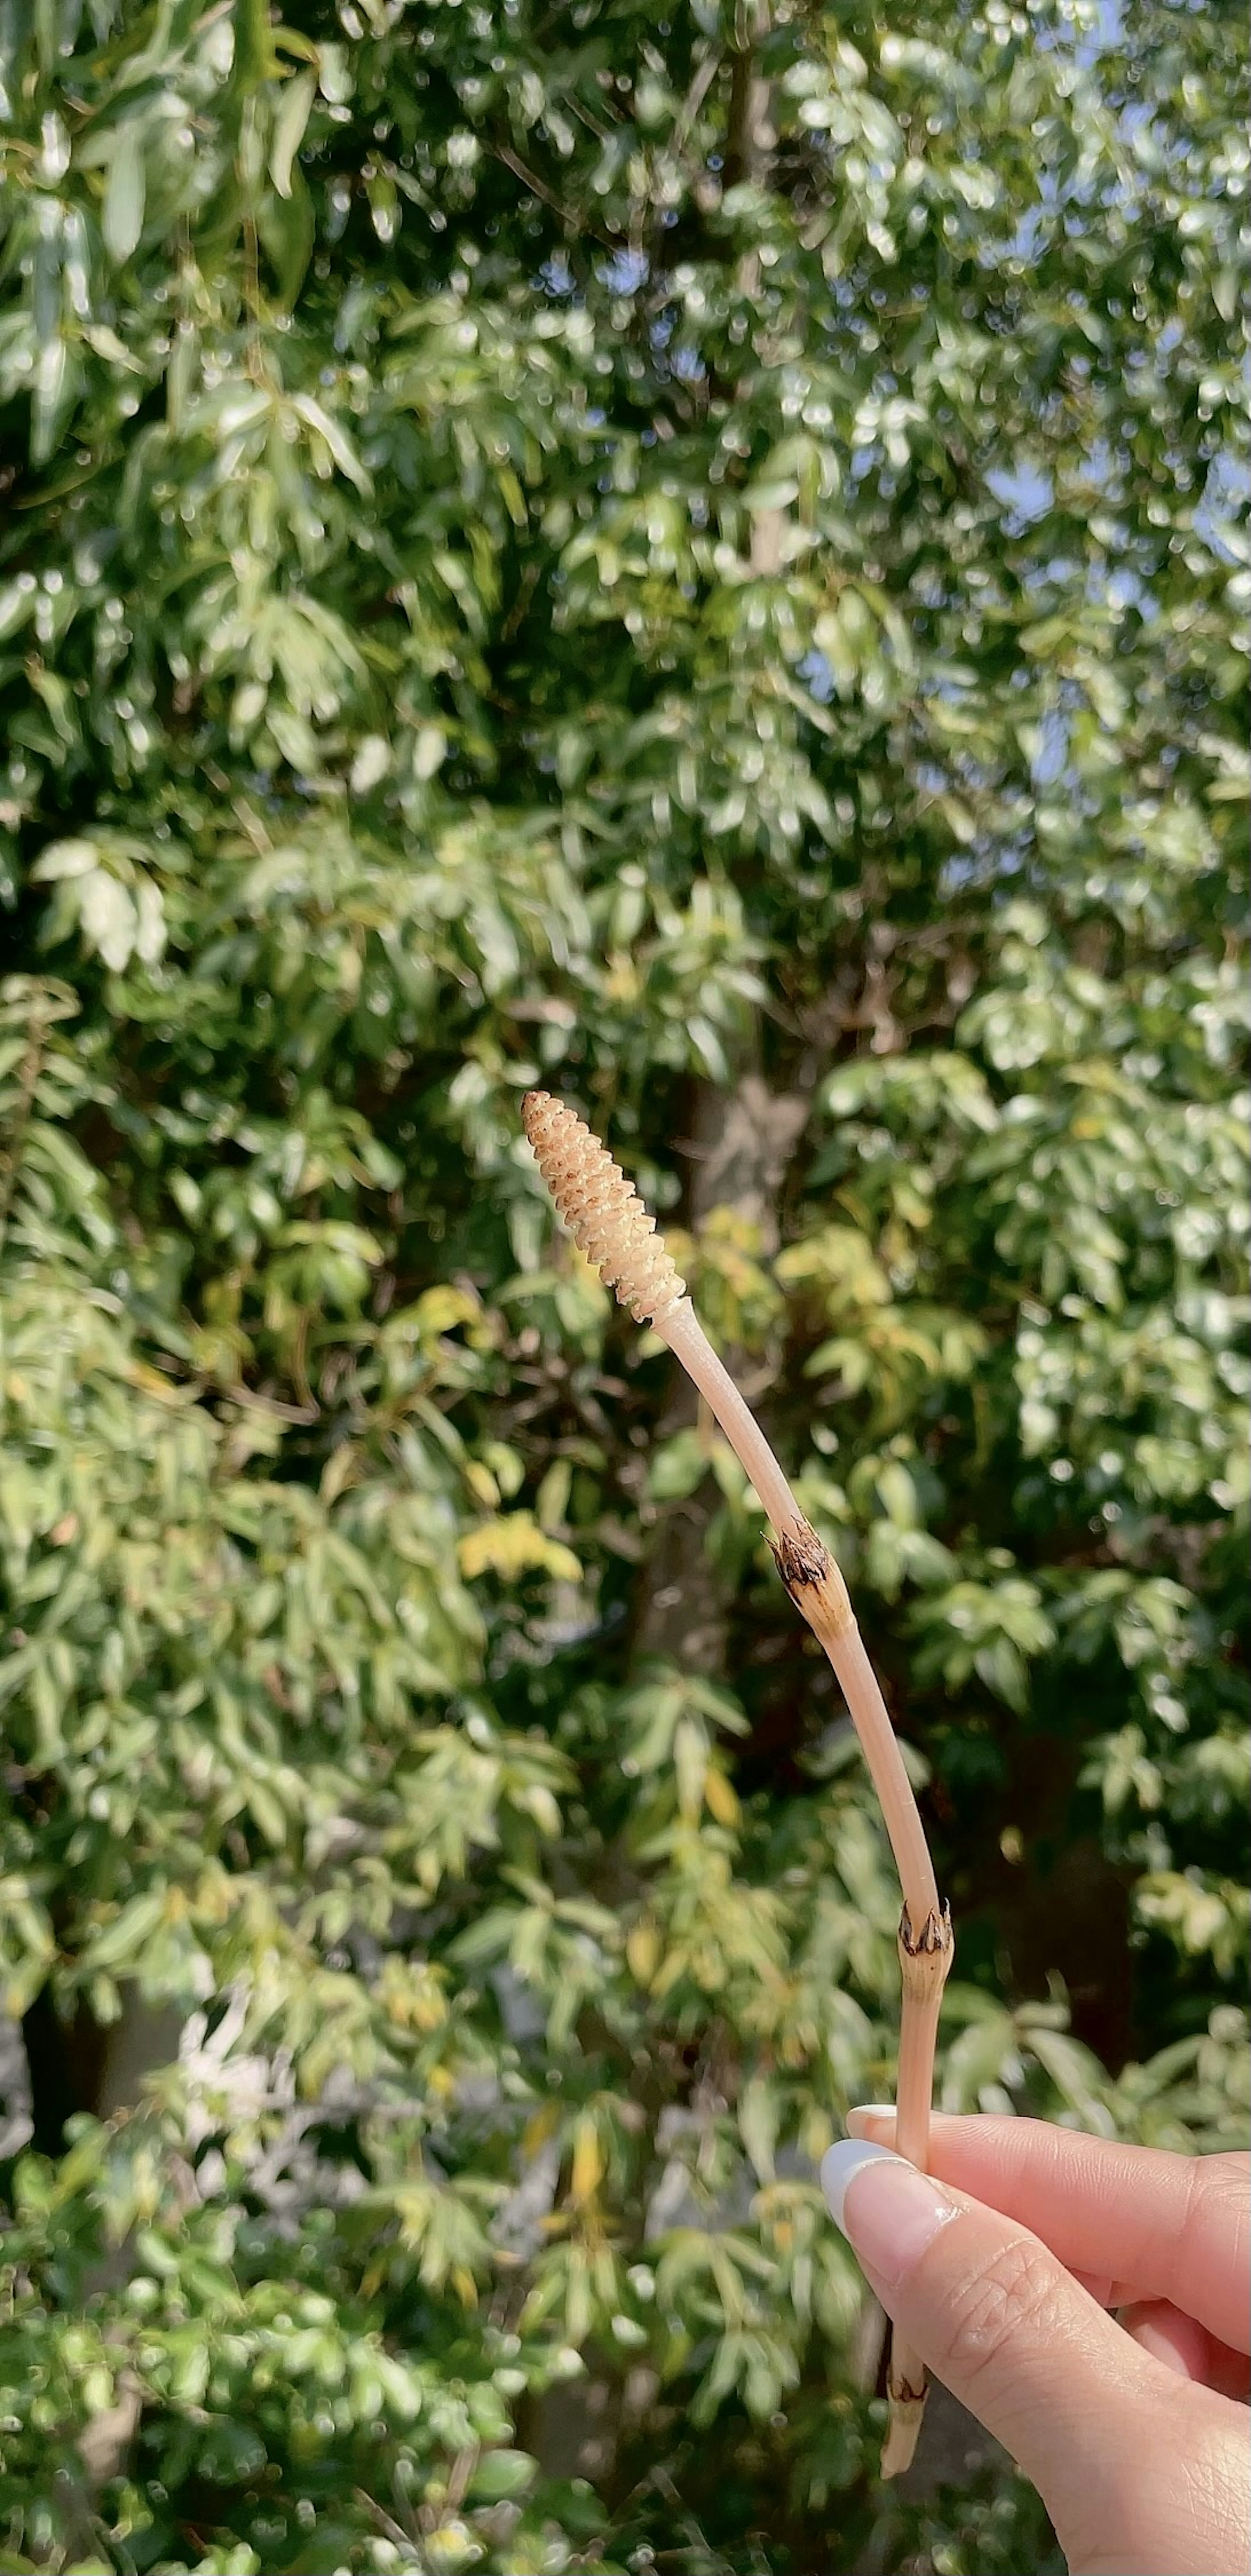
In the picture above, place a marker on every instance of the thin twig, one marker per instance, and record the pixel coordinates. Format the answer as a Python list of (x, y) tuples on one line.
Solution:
[(547, 197), (694, 100)]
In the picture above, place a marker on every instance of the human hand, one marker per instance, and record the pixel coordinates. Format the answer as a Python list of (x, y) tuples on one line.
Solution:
[(1001, 2271)]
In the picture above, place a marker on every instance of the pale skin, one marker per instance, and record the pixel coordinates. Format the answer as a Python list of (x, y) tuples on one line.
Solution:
[(1090, 2303)]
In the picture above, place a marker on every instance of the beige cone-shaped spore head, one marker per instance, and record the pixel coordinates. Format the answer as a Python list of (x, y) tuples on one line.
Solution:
[(601, 1208)]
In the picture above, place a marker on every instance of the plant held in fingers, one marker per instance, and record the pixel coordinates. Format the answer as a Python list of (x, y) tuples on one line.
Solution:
[(611, 1226)]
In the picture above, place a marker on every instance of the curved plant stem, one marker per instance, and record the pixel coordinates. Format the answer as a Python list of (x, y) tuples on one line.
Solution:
[(925, 1938), (681, 1328), (613, 1229)]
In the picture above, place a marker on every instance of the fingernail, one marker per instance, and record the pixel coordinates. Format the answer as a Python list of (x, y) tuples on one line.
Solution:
[(866, 2111), (888, 2211)]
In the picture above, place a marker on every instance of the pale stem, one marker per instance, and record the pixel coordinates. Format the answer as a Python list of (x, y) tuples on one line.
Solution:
[(824, 1605), (845, 1648), (925, 1948), (681, 1328), (918, 2031), (924, 1976), (914, 2094)]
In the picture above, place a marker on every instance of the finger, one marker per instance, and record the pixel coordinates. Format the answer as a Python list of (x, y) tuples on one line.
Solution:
[(1105, 2292), (1186, 2347), (1162, 2226), (1175, 2339), (1007, 2330), (1181, 2343)]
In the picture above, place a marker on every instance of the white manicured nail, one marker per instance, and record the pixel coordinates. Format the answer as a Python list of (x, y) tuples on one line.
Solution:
[(841, 2163), (888, 2212)]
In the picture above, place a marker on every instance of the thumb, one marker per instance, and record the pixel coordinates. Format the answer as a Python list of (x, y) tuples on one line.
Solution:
[(1006, 2329)]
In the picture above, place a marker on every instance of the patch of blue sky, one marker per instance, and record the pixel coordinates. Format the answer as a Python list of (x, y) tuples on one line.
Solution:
[(625, 271), (1025, 492)]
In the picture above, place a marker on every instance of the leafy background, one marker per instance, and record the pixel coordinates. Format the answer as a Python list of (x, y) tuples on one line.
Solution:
[(694, 560)]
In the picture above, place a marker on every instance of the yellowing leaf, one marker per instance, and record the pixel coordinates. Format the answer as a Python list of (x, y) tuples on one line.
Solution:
[(514, 1544), (441, 1309), (720, 1799), (643, 1950), (540, 2128), (588, 2160)]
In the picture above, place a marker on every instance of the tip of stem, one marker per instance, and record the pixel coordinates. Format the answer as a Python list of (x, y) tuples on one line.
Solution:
[(601, 1208)]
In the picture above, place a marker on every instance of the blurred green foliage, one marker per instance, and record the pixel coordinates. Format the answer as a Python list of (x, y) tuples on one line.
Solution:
[(692, 560)]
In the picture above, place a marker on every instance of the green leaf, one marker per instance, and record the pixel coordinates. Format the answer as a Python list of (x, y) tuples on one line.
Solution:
[(293, 114), (340, 447), (287, 229), (121, 220)]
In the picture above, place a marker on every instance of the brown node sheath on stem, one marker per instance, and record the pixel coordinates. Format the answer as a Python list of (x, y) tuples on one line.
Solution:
[(813, 1581), (801, 1557), (933, 1939)]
